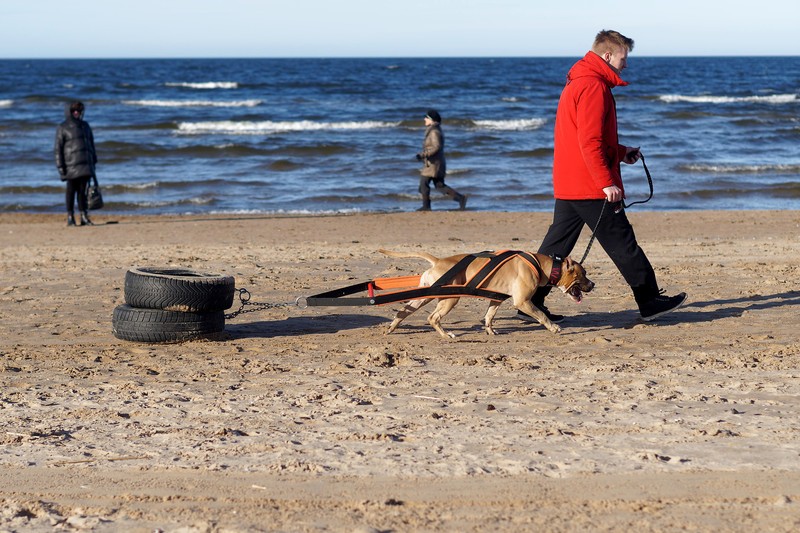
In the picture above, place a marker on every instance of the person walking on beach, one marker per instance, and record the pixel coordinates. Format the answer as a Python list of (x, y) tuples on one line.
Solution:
[(75, 159), (587, 180), (434, 165)]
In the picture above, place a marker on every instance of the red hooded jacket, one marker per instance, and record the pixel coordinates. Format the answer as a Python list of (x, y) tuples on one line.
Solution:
[(587, 152)]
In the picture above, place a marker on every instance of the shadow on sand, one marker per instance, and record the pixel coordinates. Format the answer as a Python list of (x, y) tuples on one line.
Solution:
[(690, 313)]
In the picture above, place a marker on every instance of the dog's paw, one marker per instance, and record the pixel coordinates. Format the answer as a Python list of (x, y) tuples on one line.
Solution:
[(555, 328), (490, 331)]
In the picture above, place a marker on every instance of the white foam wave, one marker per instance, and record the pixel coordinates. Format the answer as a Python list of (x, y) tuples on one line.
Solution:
[(267, 127), (198, 200), (454, 171), (6, 103), (290, 212), (192, 103), (511, 125), (142, 186), (710, 99), (741, 169), (205, 85)]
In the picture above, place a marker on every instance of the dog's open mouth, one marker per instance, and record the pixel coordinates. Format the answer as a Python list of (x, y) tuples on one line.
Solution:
[(575, 293)]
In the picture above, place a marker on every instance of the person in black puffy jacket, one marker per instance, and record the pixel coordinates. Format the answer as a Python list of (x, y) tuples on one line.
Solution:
[(75, 159)]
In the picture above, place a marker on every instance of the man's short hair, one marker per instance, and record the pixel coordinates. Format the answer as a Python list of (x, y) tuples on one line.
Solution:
[(610, 41)]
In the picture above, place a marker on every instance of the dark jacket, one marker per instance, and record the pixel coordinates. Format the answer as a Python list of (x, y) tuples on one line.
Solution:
[(435, 165), (74, 151)]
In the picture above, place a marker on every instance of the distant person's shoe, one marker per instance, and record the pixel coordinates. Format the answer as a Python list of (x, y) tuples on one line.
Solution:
[(661, 305), (554, 318), (85, 221), (462, 202), (70, 220), (424, 208)]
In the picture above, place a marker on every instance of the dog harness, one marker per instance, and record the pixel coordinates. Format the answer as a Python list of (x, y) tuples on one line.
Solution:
[(441, 288)]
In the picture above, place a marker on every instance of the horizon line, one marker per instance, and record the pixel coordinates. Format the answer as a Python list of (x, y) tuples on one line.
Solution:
[(99, 58)]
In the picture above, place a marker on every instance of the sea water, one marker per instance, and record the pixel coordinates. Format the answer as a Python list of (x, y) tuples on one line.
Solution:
[(340, 135)]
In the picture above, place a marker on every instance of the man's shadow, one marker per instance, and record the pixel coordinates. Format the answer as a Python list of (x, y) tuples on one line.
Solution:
[(689, 313)]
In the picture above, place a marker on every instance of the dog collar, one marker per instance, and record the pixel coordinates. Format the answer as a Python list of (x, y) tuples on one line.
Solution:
[(555, 270)]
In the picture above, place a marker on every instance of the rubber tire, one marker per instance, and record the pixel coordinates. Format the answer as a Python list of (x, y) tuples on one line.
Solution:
[(178, 289), (157, 325)]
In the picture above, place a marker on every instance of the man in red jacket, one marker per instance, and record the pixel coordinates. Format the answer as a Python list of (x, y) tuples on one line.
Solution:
[(587, 182)]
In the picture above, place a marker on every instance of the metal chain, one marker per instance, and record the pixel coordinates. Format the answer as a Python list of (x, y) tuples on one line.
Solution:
[(244, 298)]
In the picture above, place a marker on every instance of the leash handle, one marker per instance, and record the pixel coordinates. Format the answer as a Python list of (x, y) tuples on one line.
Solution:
[(649, 182)]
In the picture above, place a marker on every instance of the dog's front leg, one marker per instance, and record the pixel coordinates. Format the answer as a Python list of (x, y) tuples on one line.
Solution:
[(411, 307), (528, 308), (494, 305)]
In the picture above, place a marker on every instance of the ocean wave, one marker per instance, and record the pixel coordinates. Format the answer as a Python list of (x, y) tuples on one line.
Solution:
[(6, 103), (118, 152), (284, 165), (266, 127), (739, 169), (536, 152), (710, 99), (511, 125), (192, 103), (292, 212), (196, 200), (456, 171), (205, 85)]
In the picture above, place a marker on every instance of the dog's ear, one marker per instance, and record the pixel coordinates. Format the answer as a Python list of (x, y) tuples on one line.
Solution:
[(570, 263)]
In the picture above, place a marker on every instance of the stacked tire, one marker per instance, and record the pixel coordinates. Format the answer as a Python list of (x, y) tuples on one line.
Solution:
[(172, 305)]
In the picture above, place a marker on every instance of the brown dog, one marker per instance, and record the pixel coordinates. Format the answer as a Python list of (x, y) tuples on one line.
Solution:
[(516, 277)]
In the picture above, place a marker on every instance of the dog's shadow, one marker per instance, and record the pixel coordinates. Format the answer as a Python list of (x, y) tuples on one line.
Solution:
[(690, 313)]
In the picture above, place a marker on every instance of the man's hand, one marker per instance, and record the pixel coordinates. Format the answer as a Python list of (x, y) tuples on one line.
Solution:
[(613, 194), (632, 155)]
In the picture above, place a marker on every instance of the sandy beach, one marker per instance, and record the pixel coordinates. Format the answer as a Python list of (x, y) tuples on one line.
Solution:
[(314, 420)]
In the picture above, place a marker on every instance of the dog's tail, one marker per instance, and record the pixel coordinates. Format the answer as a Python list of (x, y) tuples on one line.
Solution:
[(421, 255)]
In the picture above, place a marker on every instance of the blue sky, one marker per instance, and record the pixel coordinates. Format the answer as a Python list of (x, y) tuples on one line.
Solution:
[(379, 28)]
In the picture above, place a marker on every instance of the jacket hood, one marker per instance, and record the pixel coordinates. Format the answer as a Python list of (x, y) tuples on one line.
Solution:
[(593, 65), (68, 115)]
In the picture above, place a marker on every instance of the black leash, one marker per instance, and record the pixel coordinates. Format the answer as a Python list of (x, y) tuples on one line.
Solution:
[(649, 182), (623, 205)]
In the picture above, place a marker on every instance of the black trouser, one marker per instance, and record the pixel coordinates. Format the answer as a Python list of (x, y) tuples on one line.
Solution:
[(76, 186), (614, 233), (425, 190)]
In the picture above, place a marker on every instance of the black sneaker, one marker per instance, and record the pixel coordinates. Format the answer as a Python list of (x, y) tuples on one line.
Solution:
[(661, 305), (554, 318)]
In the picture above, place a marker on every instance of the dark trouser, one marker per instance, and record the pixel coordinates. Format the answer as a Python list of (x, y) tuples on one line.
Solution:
[(614, 233), (77, 187), (425, 190)]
